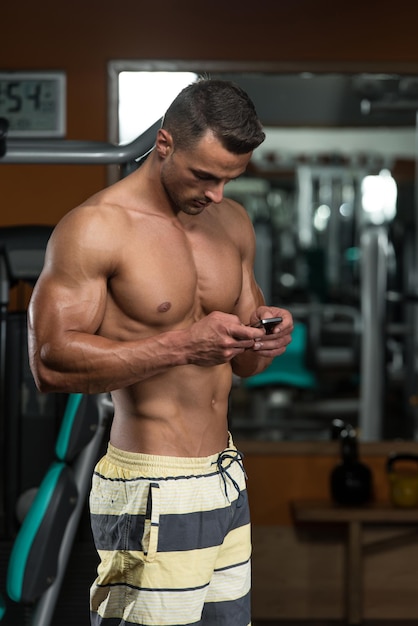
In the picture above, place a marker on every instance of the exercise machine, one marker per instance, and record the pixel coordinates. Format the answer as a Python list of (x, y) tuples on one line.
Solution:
[(41, 550), (42, 521)]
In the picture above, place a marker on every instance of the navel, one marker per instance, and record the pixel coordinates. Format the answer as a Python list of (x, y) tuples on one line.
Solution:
[(164, 307)]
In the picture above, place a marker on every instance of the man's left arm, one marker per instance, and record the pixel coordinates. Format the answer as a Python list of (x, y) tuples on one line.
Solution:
[(250, 309)]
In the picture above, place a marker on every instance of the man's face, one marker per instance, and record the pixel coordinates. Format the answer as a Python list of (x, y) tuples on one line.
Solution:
[(193, 178)]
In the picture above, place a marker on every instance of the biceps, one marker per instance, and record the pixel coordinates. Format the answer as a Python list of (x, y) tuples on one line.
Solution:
[(251, 296)]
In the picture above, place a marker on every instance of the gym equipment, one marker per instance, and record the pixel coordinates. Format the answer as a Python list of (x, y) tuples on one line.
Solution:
[(4, 127), (22, 258), (81, 152), (262, 263), (333, 337), (42, 547), (16, 261), (401, 96), (350, 480), (374, 269), (294, 397), (289, 369), (403, 479), (272, 390), (28, 419)]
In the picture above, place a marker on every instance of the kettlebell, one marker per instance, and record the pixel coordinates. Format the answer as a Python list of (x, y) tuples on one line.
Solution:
[(403, 483), (350, 480)]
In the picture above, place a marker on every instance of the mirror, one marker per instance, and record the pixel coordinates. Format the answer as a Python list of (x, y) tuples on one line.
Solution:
[(331, 196)]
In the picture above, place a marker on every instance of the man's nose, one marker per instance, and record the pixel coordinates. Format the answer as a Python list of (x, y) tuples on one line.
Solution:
[(215, 193)]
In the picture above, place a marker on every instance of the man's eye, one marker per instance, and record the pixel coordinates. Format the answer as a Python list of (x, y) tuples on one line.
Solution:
[(203, 176)]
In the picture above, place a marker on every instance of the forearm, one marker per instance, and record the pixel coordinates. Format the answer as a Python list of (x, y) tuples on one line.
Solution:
[(94, 364), (250, 363), (76, 361)]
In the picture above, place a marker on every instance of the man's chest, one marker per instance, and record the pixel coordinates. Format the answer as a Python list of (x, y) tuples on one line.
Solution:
[(168, 277)]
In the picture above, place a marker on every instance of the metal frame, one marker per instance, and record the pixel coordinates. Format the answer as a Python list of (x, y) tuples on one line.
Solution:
[(78, 152)]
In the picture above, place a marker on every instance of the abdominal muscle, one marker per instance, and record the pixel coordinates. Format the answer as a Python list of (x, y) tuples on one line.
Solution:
[(182, 412)]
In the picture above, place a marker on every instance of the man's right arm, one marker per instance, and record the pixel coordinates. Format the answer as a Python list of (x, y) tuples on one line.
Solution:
[(67, 357), (66, 350)]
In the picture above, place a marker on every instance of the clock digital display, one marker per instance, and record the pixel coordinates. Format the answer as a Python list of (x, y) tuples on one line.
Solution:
[(33, 103)]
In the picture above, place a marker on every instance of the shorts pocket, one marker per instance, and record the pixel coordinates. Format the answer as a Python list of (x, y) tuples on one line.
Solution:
[(151, 524)]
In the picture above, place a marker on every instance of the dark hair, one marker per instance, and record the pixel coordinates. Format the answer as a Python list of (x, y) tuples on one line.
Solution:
[(217, 105)]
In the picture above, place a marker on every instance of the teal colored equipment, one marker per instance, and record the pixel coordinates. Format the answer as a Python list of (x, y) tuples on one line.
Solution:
[(289, 369), (43, 545)]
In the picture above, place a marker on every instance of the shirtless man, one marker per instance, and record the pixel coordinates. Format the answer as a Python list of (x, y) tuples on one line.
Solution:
[(148, 292)]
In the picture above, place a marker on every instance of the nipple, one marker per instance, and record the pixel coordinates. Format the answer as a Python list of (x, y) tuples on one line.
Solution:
[(164, 307)]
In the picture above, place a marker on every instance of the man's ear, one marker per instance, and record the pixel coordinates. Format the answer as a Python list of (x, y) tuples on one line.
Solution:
[(164, 143)]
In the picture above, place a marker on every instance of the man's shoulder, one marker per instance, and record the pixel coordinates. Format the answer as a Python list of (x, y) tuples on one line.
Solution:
[(96, 224), (107, 208), (233, 214)]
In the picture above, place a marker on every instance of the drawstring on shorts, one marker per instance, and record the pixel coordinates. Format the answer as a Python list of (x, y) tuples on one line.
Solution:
[(230, 455)]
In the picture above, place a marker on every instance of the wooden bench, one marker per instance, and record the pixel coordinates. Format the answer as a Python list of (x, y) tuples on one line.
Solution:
[(325, 512)]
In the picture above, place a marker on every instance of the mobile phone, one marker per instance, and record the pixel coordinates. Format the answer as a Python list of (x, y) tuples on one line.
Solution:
[(268, 324)]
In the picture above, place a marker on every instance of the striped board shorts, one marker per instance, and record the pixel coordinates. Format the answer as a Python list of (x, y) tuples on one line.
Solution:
[(173, 537)]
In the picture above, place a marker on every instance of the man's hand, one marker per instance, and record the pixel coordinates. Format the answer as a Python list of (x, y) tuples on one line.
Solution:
[(274, 343), (220, 337)]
